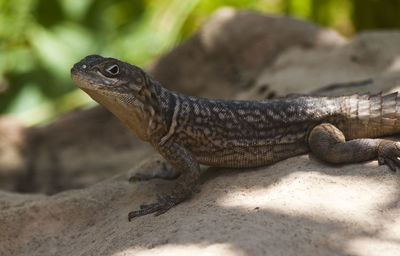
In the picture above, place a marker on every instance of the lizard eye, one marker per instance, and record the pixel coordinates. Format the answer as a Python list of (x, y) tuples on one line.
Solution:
[(113, 70)]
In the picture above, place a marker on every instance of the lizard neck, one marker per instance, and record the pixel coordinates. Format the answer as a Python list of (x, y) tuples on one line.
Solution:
[(147, 114), (134, 116), (161, 106)]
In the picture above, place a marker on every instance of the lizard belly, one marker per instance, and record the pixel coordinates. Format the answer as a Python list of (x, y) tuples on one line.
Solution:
[(243, 148), (250, 156)]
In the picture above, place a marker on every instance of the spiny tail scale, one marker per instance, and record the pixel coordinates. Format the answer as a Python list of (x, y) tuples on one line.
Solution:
[(371, 115)]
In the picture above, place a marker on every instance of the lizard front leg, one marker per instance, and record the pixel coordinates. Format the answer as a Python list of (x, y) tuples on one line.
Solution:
[(328, 143), (184, 161)]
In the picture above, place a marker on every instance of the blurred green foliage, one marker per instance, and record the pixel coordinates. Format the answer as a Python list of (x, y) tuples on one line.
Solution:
[(41, 39)]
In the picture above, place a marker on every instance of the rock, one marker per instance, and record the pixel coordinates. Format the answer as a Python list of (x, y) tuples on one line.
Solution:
[(12, 151), (228, 53), (299, 206), (369, 56)]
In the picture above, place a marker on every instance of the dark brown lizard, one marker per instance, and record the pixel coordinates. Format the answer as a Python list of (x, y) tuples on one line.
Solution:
[(189, 131)]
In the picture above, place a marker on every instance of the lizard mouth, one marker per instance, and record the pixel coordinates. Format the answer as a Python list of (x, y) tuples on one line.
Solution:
[(88, 80), (93, 84), (83, 81)]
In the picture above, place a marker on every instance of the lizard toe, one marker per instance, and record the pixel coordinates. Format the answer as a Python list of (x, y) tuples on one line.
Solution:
[(393, 164), (163, 204), (167, 173), (145, 206)]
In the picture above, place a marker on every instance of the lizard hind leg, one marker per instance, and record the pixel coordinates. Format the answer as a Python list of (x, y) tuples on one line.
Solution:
[(328, 143)]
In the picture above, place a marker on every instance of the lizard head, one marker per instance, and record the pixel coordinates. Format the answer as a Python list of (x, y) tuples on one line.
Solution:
[(107, 74), (122, 88)]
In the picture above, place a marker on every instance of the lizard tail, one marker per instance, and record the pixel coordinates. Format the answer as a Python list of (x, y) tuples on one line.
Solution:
[(373, 115)]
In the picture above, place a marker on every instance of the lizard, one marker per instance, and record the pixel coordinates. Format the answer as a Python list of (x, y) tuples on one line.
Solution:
[(189, 131)]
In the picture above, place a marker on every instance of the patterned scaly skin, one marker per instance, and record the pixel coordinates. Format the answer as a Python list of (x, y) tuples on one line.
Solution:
[(189, 131)]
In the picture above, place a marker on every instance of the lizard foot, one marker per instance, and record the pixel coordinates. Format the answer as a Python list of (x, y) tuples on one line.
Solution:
[(389, 153), (142, 177), (163, 204), (166, 173)]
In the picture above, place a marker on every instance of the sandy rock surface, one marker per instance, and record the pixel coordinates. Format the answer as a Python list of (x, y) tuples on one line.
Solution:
[(299, 206)]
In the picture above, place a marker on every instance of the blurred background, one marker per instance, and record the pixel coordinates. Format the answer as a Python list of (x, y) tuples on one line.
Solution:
[(41, 39)]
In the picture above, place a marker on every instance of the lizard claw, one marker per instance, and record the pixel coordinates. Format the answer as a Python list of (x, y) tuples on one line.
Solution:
[(163, 204), (389, 153)]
